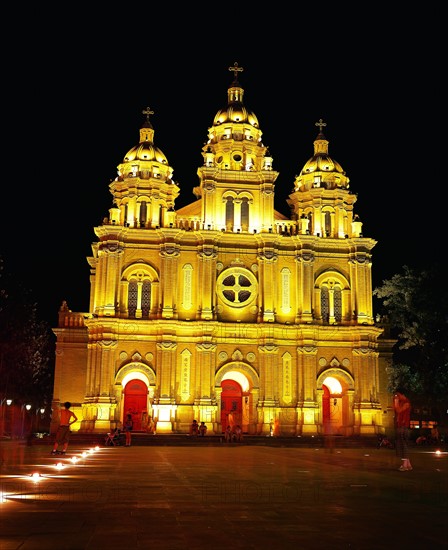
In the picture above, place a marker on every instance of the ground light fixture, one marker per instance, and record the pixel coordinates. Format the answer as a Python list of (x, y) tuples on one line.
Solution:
[(35, 476)]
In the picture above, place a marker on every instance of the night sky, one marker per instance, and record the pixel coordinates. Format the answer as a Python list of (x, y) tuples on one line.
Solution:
[(74, 109)]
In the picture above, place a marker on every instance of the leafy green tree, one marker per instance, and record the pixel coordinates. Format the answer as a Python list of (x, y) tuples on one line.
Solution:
[(26, 346), (416, 306)]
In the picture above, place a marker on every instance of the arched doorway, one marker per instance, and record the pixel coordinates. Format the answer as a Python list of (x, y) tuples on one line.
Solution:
[(332, 406), (231, 404), (135, 402)]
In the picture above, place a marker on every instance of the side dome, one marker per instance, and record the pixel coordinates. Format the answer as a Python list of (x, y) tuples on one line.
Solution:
[(322, 162), (321, 170), (146, 150)]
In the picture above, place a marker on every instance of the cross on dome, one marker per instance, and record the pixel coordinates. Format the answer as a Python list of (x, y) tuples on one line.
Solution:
[(147, 112), (236, 70), (321, 125)]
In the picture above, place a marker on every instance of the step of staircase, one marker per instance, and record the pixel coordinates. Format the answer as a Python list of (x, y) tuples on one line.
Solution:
[(184, 440)]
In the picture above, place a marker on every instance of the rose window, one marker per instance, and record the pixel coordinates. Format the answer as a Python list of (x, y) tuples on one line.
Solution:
[(237, 287)]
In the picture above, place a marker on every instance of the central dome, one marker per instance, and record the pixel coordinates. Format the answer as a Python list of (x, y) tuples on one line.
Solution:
[(235, 111)]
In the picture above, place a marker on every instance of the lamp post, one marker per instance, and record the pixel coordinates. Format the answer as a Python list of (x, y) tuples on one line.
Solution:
[(3, 415), (26, 408), (39, 414)]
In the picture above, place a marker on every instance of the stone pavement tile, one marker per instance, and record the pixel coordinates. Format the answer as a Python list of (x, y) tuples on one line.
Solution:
[(224, 497)]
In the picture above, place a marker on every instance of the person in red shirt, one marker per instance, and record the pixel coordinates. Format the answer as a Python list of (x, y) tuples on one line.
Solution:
[(402, 408), (66, 419)]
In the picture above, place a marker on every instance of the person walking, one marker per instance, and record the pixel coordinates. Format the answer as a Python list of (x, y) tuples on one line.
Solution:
[(402, 408), (62, 437), (128, 425)]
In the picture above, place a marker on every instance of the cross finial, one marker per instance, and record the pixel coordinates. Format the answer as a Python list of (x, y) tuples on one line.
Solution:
[(147, 112), (321, 125), (236, 70)]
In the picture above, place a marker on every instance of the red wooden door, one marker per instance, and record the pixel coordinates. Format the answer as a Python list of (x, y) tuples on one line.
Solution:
[(231, 404), (326, 409), (135, 402)]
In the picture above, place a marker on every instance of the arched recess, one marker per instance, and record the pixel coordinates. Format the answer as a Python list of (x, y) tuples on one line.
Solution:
[(335, 389), (237, 391), (136, 383), (332, 297), (139, 291), (333, 273), (231, 404), (142, 267), (228, 199), (245, 201), (328, 216)]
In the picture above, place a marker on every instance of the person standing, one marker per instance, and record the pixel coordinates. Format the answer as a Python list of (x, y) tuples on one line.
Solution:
[(402, 408), (62, 437), (128, 425)]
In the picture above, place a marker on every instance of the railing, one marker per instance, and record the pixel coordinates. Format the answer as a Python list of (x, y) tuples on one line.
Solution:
[(68, 319)]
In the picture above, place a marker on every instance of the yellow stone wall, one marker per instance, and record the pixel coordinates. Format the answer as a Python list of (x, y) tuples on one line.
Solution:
[(228, 289)]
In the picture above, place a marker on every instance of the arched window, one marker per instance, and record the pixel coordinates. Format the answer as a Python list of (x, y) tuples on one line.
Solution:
[(310, 224), (331, 301), (143, 213), (245, 214), (132, 298), (324, 304), (146, 299), (139, 290), (230, 210), (327, 223), (338, 304)]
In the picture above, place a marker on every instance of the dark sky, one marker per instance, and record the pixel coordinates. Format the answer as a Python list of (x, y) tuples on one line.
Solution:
[(74, 108)]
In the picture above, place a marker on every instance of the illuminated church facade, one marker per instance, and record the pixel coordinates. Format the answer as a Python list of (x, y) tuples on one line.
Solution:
[(225, 310)]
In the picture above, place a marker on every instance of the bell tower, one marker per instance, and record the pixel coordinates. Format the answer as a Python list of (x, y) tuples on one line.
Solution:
[(236, 179)]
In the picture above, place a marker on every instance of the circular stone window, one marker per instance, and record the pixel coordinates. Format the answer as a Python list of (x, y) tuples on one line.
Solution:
[(237, 158), (237, 287)]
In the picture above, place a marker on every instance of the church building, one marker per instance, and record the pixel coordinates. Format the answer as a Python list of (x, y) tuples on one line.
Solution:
[(226, 311)]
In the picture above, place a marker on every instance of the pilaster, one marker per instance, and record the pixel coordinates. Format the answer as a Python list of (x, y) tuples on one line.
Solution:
[(207, 266), (306, 285), (268, 258), (308, 414), (164, 404), (170, 255)]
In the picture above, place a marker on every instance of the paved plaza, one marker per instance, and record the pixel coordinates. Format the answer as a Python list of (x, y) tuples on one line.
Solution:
[(238, 496)]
